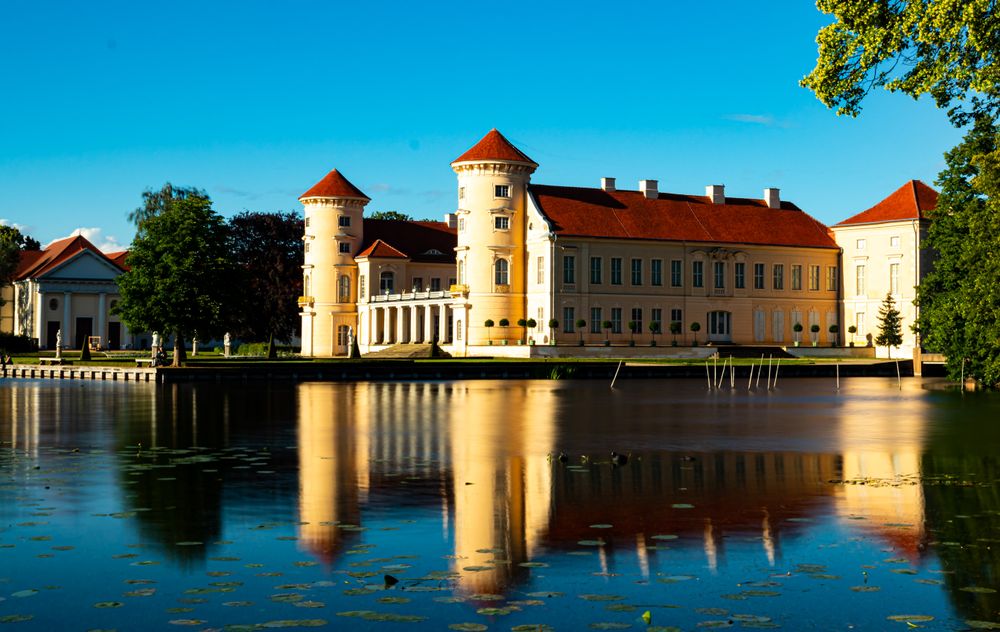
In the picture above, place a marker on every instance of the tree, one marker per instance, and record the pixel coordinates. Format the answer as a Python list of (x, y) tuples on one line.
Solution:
[(695, 328), (267, 250), (489, 329), (654, 328), (675, 328), (633, 327), (959, 299), (396, 215), (181, 277), (890, 325), (12, 244), (580, 325), (607, 325), (155, 202), (941, 48)]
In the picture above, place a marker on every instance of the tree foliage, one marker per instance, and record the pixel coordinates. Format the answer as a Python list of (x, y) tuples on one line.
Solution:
[(389, 215), (267, 250), (947, 49), (156, 202), (181, 278), (890, 325), (959, 300), (12, 244)]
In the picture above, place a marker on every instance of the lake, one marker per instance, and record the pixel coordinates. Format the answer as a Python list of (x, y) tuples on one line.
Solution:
[(496, 505)]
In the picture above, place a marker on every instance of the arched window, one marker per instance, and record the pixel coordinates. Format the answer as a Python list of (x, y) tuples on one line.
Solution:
[(305, 285), (344, 289), (386, 282), (502, 272), (461, 272)]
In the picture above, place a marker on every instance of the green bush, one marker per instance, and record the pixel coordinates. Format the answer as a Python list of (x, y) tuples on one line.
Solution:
[(18, 344), (252, 349)]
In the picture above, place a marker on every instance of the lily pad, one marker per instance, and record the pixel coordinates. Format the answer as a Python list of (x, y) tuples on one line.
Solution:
[(468, 627), (911, 618), (108, 604)]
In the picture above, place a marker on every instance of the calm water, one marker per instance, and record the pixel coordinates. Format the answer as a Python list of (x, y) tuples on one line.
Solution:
[(151, 507)]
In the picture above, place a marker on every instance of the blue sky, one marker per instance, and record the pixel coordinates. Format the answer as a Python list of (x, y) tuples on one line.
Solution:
[(255, 101)]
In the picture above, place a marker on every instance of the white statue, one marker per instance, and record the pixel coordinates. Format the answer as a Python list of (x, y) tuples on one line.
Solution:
[(350, 339), (59, 343), (194, 345), (227, 342), (156, 342)]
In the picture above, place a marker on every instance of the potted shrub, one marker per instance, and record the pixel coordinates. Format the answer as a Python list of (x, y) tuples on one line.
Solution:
[(523, 324), (505, 324), (852, 330), (532, 323), (797, 328), (553, 326), (695, 328), (632, 327), (654, 328), (834, 330), (675, 328), (489, 330), (581, 324), (814, 328), (606, 325)]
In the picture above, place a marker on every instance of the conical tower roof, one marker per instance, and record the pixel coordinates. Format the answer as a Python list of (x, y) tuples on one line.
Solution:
[(334, 185), (494, 146)]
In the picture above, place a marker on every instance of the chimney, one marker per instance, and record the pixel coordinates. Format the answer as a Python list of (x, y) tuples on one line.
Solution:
[(607, 184), (716, 193), (772, 198), (451, 220), (648, 188)]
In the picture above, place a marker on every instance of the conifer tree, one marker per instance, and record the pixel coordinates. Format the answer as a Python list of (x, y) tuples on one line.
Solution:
[(890, 325)]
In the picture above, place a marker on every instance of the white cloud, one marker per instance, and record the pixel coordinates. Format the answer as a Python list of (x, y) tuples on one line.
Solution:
[(96, 236), (756, 119), (21, 227)]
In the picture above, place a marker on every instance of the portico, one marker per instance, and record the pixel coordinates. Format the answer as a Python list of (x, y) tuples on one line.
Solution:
[(412, 317)]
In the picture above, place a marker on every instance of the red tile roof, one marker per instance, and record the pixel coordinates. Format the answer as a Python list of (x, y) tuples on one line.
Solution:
[(426, 242), (334, 185), (381, 250), (119, 258), (620, 214), (494, 146), (909, 201), (34, 264)]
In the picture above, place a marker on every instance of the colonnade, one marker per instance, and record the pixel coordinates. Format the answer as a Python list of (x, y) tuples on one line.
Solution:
[(404, 323)]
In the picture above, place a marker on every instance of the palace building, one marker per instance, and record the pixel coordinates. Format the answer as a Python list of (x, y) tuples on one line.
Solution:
[(578, 264)]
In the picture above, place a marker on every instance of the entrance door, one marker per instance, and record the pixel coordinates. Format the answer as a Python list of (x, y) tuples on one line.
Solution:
[(720, 327), (51, 333), (114, 336), (343, 340), (84, 330)]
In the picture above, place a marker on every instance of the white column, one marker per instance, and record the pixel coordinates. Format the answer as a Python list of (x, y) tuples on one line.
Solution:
[(39, 315), (400, 324), (443, 325), (414, 321), (67, 335), (428, 323), (386, 326), (102, 318)]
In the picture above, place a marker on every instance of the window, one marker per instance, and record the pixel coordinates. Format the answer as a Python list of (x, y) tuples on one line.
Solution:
[(595, 320), (345, 247), (501, 222), (656, 272), (418, 284), (461, 271), (675, 273), (637, 272), (344, 289), (616, 271), (361, 287), (814, 278), (778, 275), (344, 221), (656, 316), (540, 272), (501, 191), (461, 224), (461, 193), (595, 271), (859, 280), (540, 323), (435, 284), (759, 325), (501, 272), (719, 272), (740, 275), (386, 282), (676, 316), (831, 278), (306, 247), (569, 269), (616, 320), (859, 322), (894, 278), (458, 330), (569, 319), (637, 319), (451, 281), (777, 325), (307, 222), (796, 277), (894, 241), (697, 274), (861, 244), (758, 276)]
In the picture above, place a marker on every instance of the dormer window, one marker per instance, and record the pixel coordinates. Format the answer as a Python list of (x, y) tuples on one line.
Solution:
[(433, 251), (344, 221), (501, 191), (501, 223)]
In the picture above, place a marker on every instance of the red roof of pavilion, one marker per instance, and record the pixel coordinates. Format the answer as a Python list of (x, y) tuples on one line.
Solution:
[(909, 201), (334, 184), (36, 263), (494, 146), (427, 242)]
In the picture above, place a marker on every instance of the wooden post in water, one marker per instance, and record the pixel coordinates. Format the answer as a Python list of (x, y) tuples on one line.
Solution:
[(899, 380), (776, 367), (750, 381), (708, 376), (722, 376), (769, 372), (616, 374), (760, 370), (838, 376), (732, 373)]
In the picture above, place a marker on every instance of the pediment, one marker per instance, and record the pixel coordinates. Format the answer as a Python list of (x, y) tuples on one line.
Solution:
[(85, 265)]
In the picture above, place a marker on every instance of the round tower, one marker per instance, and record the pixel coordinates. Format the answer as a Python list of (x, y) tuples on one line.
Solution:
[(333, 235), (493, 179)]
